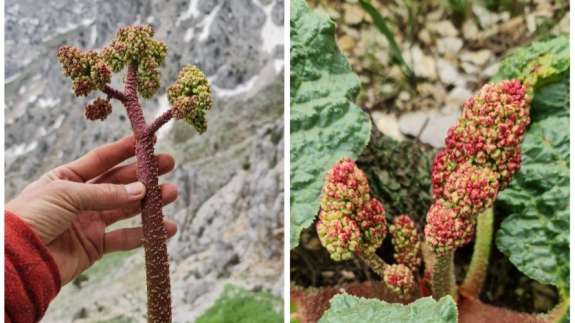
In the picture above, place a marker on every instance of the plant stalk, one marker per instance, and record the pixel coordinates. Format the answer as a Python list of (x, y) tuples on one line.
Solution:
[(374, 262), (443, 276), (477, 271), (155, 234)]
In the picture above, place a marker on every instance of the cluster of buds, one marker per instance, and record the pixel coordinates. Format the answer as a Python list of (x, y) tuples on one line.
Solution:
[(136, 45), (99, 109), (349, 220), (445, 230), (483, 151), (405, 240), (87, 69), (352, 222), (190, 97), (399, 279), (469, 190)]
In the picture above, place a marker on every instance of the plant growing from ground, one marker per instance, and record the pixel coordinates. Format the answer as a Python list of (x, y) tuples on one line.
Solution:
[(509, 148), (352, 222), (136, 51)]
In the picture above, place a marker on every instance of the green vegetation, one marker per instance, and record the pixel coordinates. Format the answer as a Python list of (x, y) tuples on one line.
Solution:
[(236, 305)]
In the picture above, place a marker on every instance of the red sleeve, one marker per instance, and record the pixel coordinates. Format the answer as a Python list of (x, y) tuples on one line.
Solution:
[(31, 277)]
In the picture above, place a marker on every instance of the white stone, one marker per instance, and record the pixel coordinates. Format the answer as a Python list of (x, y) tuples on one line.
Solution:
[(447, 72), (469, 68), (490, 70), (444, 28), (387, 123), (479, 58), (457, 96), (413, 122), (436, 129), (450, 45), (423, 65)]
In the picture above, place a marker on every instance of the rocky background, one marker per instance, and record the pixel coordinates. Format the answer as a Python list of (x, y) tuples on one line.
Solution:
[(230, 209), (453, 48)]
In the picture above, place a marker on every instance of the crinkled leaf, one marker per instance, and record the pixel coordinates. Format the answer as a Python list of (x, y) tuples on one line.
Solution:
[(346, 308), (543, 61), (551, 99), (535, 235), (325, 123)]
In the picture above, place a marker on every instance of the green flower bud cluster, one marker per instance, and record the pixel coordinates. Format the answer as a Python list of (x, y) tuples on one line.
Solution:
[(136, 45), (445, 230), (470, 189), (191, 98), (399, 279), (482, 152), (405, 240), (350, 220), (87, 69), (99, 109)]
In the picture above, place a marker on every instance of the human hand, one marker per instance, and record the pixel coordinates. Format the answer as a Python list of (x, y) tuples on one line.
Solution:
[(70, 207)]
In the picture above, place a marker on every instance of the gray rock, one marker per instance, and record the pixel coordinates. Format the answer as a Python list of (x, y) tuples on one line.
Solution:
[(449, 45), (478, 58), (412, 123), (436, 129), (230, 180), (447, 72), (429, 126), (457, 96)]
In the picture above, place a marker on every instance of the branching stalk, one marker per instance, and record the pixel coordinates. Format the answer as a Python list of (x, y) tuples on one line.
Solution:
[(159, 122), (190, 98), (114, 94), (481, 252), (374, 262), (155, 235)]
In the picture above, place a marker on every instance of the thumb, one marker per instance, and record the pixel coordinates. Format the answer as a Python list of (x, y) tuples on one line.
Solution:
[(96, 197)]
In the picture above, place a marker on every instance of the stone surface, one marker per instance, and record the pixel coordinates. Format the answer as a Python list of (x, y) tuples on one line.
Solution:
[(230, 209), (424, 65), (429, 126), (479, 58), (413, 123), (449, 45), (457, 96), (387, 123), (447, 72)]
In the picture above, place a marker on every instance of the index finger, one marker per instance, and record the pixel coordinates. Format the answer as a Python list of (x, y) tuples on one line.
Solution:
[(96, 162)]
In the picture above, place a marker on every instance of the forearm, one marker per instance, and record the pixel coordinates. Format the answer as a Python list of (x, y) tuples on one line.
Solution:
[(32, 279)]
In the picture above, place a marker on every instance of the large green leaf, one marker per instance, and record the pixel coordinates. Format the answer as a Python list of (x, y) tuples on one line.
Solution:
[(325, 123), (545, 61), (535, 234), (551, 100), (346, 308)]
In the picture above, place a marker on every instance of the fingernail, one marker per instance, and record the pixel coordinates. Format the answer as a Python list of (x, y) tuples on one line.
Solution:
[(135, 189)]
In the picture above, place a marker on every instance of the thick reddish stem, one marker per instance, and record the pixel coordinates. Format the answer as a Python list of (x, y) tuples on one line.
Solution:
[(113, 93), (155, 235), (159, 122)]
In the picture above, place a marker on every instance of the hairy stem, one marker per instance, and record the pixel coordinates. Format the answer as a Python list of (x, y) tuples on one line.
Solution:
[(113, 93), (443, 276), (159, 122), (374, 262), (155, 235), (481, 251)]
